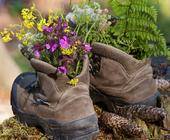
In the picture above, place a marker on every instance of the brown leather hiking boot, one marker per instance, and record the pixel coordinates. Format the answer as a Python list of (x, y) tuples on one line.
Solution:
[(63, 111), (122, 79)]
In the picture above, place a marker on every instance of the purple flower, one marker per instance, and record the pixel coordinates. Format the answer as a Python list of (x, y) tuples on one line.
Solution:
[(60, 20), (64, 43), (47, 46), (47, 29), (62, 70), (52, 46), (87, 47), (65, 25), (73, 33), (38, 47), (37, 54), (59, 24)]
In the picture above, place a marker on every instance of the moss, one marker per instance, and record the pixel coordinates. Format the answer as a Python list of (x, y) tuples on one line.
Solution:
[(12, 129), (152, 131)]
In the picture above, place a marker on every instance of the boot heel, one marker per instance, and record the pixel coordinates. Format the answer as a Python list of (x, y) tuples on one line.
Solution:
[(83, 129), (25, 118), (101, 99), (87, 137)]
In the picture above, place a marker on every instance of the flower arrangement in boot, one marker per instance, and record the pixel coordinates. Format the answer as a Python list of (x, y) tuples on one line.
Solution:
[(56, 98), (50, 40)]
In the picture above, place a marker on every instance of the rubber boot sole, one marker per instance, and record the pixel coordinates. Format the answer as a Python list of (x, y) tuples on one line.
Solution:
[(83, 129), (110, 103)]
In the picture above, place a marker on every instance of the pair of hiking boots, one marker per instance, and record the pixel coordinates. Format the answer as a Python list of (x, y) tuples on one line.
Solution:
[(66, 112)]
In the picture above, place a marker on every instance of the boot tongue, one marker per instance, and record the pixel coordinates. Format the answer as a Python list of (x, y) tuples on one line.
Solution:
[(52, 87), (61, 82), (42, 66), (129, 63)]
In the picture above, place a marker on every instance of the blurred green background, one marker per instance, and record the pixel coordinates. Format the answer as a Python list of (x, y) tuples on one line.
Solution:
[(164, 18)]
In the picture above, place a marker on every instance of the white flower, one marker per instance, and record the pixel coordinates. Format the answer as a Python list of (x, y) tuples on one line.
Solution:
[(86, 6), (70, 17), (96, 5), (90, 11), (20, 46)]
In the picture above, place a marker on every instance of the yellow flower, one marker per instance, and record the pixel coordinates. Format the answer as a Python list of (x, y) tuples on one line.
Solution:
[(25, 42), (67, 30), (19, 35), (27, 14), (50, 20), (52, 16), (67, 51), (74, 81), (5, 31), (6, 38), (41, 24), (6, 35), (24, 13), (28, 17), (33, 7), (28, 23)]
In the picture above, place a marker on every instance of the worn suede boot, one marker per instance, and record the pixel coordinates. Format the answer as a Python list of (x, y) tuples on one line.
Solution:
[(122, 79), (63, 111)]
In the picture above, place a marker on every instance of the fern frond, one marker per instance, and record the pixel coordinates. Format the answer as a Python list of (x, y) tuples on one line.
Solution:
[(144, 10), (136, 29)]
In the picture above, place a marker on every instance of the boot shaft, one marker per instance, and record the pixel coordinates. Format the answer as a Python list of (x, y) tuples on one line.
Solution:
[(122, 76)]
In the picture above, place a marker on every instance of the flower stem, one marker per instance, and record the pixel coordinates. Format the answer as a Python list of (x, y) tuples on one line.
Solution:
[(39, 13), (78, 28), (87, 34), (77, 67)]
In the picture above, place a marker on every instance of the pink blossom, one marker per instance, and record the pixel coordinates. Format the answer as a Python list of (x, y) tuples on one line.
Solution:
[(37, 54), (87, 47), (64, 43), (62, 70)]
